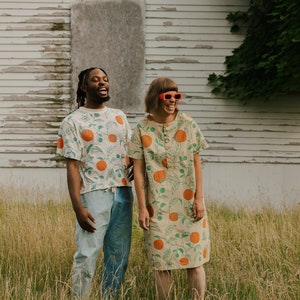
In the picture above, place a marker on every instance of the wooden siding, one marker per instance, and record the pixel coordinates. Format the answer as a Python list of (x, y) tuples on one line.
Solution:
[(188, 40), (35, 74), (184, 39)]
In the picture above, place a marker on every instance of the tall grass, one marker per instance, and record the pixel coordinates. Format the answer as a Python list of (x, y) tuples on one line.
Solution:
[(255, 255)]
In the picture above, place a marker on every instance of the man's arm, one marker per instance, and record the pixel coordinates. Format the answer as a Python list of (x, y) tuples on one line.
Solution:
[(84, 218)]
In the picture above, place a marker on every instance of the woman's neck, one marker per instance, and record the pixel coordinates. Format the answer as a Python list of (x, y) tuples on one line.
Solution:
[(164, 118)]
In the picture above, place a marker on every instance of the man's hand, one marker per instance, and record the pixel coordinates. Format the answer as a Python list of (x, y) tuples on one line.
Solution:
[(85, 220), (129, 170)]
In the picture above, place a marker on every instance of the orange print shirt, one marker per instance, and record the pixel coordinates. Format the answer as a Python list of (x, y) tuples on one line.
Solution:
[(97, 138)]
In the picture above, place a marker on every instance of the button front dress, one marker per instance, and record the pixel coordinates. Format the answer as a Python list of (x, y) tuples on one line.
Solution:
[(175, 240)]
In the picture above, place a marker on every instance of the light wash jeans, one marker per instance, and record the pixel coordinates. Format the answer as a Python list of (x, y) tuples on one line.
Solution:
[(112, 210)]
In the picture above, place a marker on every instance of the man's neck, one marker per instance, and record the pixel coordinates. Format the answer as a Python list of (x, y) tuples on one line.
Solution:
[(94, 106)]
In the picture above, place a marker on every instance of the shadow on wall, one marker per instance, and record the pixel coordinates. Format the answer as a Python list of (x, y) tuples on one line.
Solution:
[(110, 35)]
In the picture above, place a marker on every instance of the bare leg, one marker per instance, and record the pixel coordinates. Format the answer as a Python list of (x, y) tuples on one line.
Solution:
[(196, 282), (163, 284)]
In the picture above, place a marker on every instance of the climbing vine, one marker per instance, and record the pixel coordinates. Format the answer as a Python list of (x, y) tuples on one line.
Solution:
[(267, 63)]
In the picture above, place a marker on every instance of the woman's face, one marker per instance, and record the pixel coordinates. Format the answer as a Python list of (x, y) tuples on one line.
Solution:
[(168, 102)]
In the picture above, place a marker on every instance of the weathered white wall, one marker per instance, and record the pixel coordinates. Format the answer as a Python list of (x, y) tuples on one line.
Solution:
[(252, 186), (110, 34), (254, 154)]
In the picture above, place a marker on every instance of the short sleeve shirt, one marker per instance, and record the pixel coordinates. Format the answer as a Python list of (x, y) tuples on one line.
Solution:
[(98, 140)]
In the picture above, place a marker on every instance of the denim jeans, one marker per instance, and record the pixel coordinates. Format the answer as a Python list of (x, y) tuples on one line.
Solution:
[(112, 210)]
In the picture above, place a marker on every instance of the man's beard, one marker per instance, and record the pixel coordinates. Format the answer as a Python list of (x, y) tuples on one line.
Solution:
[(101, 100)]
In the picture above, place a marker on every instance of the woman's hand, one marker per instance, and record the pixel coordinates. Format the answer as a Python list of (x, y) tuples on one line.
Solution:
[(144, 219), (198, 209)]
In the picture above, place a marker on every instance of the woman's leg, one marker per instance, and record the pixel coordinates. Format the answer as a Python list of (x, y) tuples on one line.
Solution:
[(196, 282), (163, 284)]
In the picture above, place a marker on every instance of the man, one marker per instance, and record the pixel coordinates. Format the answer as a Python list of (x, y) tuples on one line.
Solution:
[(93, 140)]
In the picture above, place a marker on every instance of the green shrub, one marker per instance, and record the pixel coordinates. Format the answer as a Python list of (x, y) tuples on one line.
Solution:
[(267, 63)]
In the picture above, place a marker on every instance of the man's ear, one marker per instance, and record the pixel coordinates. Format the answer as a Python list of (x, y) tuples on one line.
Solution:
[(83, 87)]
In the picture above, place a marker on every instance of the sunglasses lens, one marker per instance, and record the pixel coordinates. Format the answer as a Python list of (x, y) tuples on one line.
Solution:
[(170, 95)]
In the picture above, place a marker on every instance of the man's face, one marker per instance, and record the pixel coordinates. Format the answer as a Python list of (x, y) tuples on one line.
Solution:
[(97, 87)]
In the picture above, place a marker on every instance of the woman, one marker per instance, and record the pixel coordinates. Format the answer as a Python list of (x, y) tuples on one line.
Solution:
[(165, 147)]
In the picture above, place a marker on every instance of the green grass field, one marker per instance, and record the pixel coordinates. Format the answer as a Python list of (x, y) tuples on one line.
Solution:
[(255, 255)]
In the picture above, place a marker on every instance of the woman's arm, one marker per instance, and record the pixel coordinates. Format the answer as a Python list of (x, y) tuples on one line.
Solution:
[(198, 206), (140, 188)]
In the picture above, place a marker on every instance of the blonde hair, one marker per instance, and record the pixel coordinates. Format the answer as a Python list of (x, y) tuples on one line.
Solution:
[(158, 86)]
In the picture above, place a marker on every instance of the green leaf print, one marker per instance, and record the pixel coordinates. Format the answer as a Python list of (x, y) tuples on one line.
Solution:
[(180, 250), (88, 170), (159, 142), (183, 220), (162, 205), (185, 234), (88, 149), (167, 254), (174, 200), (111, 173), (170, 228), (151, 155)]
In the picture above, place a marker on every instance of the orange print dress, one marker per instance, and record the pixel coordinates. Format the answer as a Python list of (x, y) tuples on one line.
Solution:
[(97, 138), (174, 240)]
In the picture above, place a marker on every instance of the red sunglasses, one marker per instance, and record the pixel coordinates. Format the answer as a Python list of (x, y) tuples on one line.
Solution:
[(169, 95)]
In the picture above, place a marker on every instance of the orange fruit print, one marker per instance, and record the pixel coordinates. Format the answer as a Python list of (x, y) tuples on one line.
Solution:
[(101, 165), (60, 143), (119, 120), (87, 135), (164, 162), (127, 160), (183, 261), (112, 138), (188, 194), (173, 216), (180, 136), (159, 176), (158, 244), (146, 140), (195, 237)]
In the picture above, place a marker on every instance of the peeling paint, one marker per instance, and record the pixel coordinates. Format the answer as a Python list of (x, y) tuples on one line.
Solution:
[(167, 8), (178, 60), (199, 46), (41, 27), (167, 23), (35, 112), (57, 26), (40, 109), (167, 38)]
